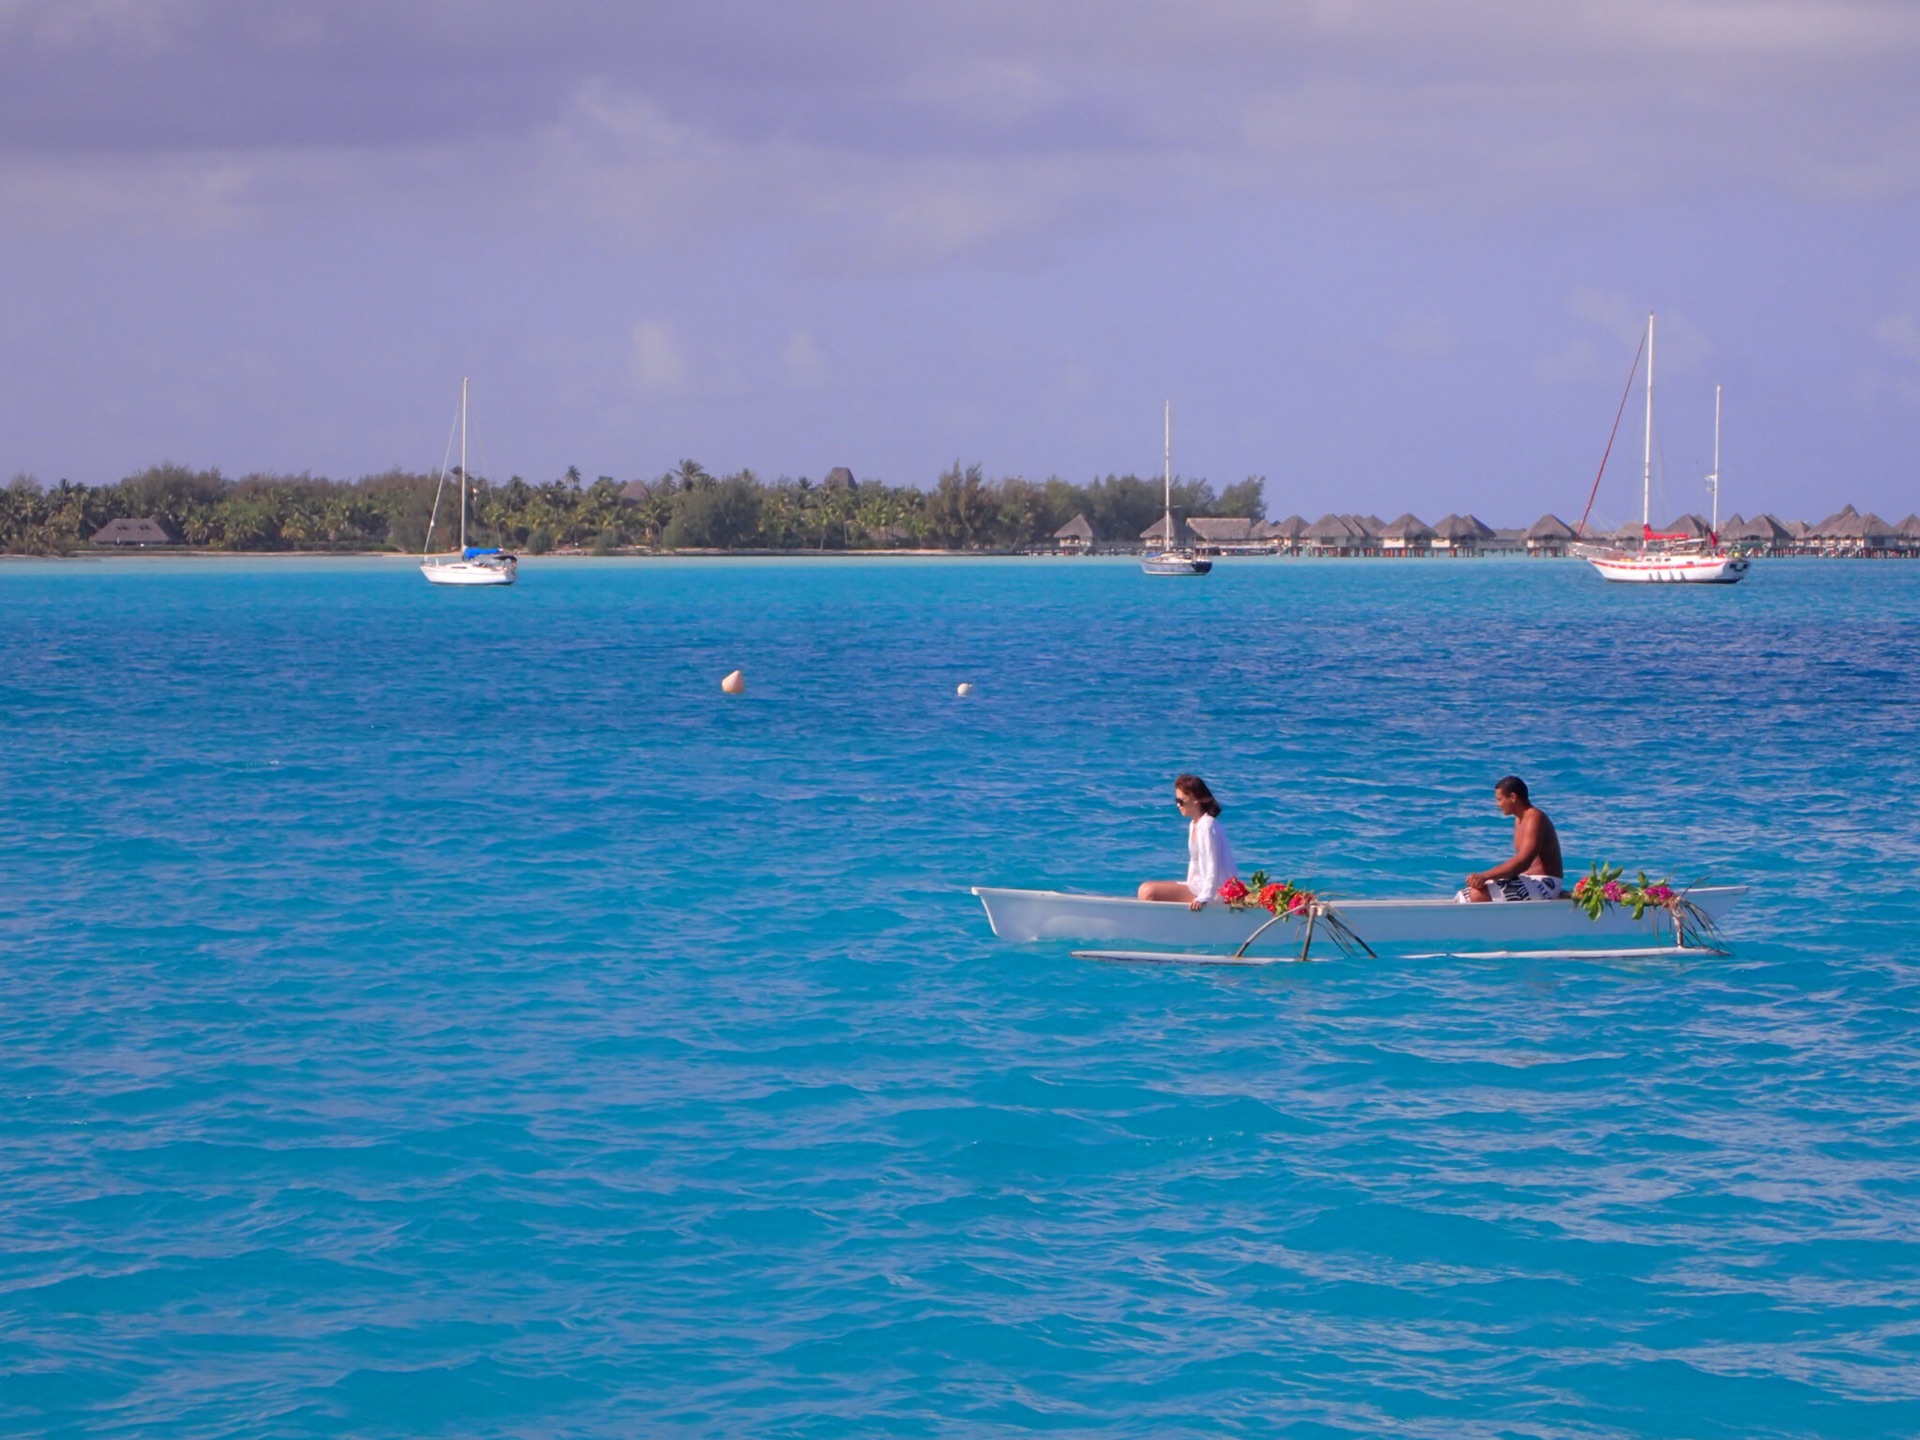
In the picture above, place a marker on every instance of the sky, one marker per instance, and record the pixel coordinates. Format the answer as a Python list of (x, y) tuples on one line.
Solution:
[(1390, 256)]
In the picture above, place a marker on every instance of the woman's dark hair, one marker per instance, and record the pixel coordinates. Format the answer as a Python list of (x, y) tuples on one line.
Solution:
[(1194, 788), (1512, 785)]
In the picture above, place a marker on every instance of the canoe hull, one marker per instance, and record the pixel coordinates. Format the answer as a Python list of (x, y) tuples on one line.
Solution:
[(1025, 916)]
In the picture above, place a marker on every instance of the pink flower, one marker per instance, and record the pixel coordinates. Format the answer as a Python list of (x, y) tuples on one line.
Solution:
[(1233, 892), (1659, 894), (1301, 900), (1612, 890)]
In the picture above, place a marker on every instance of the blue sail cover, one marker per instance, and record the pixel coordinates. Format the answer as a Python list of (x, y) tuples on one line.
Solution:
[(473, 550)]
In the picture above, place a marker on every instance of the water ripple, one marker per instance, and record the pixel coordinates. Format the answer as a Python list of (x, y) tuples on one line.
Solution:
[(427, 1017)]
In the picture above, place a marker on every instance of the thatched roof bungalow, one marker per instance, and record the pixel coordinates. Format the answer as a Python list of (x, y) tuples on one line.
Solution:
[(137, 533), (1229, 533), (1288, 531), (1332, 535), (1183, 532), (1366, 529), (1459, 534), (1848, 532), (1869, 534), (1837, 526), (1549, 535), (1505, 540), (1694, 527), (1761, 532), (1076, 534), (1408, 535)]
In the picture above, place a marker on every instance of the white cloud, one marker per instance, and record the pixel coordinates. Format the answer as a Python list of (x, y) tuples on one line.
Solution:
[(803, 363), (1075, 382), (1621, 316), (1422, 337), (1900, 334), (1577, 360), (914, 135), (1681, 345), (1899, 330), (657, 362)]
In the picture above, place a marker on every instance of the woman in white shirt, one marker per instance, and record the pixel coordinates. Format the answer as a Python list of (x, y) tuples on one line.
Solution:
[(1209, 857)]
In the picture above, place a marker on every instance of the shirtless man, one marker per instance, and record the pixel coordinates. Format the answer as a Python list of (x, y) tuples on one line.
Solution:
[(1534, 871)]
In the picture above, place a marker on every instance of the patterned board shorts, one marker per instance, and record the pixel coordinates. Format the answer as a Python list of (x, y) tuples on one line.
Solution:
[(1520, 887)]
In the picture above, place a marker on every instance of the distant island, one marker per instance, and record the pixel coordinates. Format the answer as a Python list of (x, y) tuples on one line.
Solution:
[(687, 509)]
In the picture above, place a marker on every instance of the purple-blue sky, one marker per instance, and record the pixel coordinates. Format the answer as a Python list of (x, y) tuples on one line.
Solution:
[(1389, 255)]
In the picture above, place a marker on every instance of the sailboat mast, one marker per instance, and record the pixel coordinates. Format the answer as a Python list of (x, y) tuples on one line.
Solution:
[(1716, 464), (1646, 462), (1167, 474), (463, 465)]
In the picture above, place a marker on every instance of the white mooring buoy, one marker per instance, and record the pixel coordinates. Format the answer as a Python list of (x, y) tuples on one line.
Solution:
[(735, 683)]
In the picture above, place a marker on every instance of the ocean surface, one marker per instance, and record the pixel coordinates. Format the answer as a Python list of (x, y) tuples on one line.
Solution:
[(432, 1012)]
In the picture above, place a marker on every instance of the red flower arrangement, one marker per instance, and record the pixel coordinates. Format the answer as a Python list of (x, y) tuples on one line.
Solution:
[(1272, 896), (1602, 886)]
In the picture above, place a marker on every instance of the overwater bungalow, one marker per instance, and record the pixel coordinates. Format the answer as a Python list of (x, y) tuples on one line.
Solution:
[(1407, 535), (1459, 534), (1184, 535), (1075, 537), (1549, 535), (1694, 527), (1780, 534), (1505, 540), (1366, 529), (1232, 535), (1849, 533), (1288, 533), (1332, 535), (1763, 535), (1628, 535)]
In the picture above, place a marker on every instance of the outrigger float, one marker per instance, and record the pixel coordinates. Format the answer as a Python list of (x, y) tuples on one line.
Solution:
[(1542, 929)]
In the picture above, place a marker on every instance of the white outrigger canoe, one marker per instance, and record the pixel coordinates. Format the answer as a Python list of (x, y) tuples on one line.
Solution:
[(1439, 923)]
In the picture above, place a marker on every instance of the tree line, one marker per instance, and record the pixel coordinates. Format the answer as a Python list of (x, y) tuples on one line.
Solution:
[(686, 508)]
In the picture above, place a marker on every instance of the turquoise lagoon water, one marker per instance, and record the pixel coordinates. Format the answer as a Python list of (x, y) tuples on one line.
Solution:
[(433, 1012)]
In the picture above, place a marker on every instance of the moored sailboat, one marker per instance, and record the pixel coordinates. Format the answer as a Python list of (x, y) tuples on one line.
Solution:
[(470, 565), (1664, 558), (1172, 559)]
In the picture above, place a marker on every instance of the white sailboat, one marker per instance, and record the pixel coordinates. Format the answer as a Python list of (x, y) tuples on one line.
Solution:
[(1666, 559), (469, 565), (1171, 559)]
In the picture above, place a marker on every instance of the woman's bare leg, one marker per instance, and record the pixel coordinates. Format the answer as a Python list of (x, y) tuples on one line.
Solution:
[(1168, 890)]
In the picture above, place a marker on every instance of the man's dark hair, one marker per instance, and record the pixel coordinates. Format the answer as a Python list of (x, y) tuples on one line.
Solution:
[(1512, 785)]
